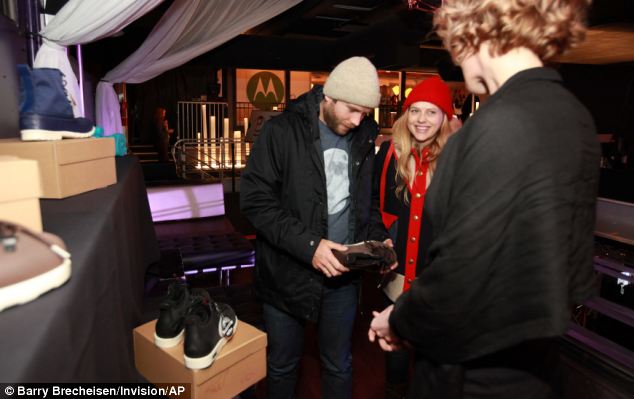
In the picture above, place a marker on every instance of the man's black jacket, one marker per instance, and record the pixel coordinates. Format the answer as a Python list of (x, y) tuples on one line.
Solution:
[(283, 194)]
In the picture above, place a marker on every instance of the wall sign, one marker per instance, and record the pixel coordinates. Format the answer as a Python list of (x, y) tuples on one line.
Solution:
[(265, 90)]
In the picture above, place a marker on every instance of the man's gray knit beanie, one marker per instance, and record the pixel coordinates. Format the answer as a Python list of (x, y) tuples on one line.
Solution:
[(354, 81)]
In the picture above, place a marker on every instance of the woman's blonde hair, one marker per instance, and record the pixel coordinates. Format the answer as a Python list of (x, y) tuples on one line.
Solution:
[(403, 144), (547, 27)]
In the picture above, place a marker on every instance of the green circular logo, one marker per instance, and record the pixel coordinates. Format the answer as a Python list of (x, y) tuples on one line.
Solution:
[(265, 90)]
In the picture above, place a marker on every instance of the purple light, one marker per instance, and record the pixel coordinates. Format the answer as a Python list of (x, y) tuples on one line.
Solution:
[(186, 202)]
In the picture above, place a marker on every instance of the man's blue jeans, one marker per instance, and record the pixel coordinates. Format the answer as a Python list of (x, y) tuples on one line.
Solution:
[(286, 345)]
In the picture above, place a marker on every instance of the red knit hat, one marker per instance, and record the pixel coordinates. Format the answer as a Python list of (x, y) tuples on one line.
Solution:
[(433, 90)]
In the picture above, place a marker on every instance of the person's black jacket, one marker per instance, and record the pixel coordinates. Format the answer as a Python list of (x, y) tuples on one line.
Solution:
[(512, 210), (283, 194)]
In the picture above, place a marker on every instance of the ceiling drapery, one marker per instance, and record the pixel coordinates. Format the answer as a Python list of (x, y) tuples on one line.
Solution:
[(188, 29), (84, 21)]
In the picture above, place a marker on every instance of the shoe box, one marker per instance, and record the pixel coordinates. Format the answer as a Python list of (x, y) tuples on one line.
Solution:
[(68, 167), (20, 190), (240, 364)]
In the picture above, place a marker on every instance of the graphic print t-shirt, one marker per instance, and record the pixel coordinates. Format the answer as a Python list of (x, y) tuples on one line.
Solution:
[(336, 153)]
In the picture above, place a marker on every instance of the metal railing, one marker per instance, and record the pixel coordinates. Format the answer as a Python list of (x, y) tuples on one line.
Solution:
[(201, 119), (210, 160), (209, 120), (203, 150)]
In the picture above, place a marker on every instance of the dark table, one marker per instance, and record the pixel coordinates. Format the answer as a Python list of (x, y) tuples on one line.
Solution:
[(82, 331)]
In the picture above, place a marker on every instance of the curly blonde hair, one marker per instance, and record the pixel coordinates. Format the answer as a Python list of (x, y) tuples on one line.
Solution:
[(547, 27), (403, 144)]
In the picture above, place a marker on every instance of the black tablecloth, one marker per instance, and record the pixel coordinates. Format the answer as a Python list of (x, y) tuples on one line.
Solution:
[(82, 331)]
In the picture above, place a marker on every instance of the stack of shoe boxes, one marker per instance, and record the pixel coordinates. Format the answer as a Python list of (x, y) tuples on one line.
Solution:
[(50, 133), (20, 191), (240, 364), (68, 167)]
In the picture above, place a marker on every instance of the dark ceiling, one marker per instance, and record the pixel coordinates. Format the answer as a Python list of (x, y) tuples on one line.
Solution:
[(315, 35)]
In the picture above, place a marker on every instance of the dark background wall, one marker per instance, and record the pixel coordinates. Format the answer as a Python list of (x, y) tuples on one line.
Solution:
[(12, 52), (608, 91), (179, 84)]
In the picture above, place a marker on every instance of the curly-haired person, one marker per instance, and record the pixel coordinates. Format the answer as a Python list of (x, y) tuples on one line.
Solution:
[(510, 209)]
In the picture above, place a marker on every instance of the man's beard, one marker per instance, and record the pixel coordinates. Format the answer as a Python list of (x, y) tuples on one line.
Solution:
[(332, 121)]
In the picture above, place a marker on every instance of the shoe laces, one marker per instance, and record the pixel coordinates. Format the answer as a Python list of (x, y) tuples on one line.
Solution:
[(70, 99), (200, 304), (198, 310)]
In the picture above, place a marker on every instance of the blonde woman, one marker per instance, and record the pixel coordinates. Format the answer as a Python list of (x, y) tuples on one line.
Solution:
[(510, 209), (404, 168)]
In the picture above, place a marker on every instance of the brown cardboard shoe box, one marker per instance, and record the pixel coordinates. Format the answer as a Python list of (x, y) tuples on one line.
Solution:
[(68, 167), (240, 364), (20, 190)]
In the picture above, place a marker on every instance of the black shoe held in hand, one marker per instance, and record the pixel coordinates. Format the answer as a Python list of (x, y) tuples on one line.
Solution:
[(372, 256)]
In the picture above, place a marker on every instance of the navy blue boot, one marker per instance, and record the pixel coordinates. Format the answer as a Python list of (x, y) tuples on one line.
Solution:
[(45, 111)]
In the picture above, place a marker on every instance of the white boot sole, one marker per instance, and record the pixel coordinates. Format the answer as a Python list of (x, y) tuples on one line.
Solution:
[(197, 363), (28, 290), (51, 135)]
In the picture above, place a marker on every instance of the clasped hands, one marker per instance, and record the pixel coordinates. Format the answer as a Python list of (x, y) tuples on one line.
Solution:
[(381, 332)]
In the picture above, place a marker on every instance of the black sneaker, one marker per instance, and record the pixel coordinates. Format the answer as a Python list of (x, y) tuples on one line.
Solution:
[(208, 327), (169, 326)]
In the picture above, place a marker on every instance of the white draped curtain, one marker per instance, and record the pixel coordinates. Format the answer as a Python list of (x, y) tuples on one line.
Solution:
[(83, 21), (188, 29)]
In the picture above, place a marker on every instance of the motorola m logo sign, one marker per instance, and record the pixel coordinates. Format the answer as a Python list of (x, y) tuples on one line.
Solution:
[(264, 90)]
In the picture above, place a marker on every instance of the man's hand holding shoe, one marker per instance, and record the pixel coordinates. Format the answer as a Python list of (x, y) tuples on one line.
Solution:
[(371, 256), (326, 262)]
